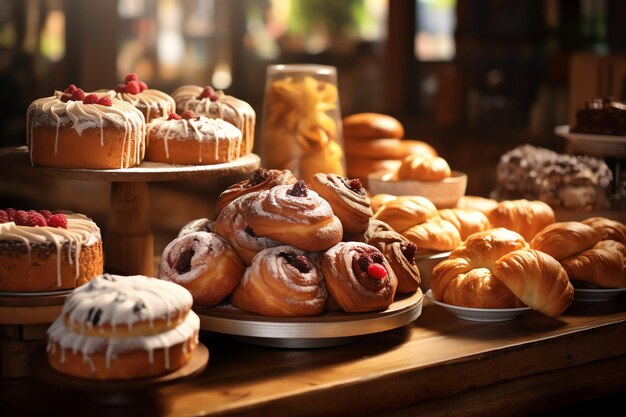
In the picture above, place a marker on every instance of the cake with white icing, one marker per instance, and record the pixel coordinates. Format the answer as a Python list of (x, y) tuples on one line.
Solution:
[(74, 129), (152, 103), (191, 139), (41, 251), (217, 105), (122, 327)]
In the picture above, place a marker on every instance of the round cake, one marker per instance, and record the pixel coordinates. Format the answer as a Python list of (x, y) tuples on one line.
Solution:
[(217, 105), (152, 103), (72, 129), (41, 251), (191, 139), (122, 327)]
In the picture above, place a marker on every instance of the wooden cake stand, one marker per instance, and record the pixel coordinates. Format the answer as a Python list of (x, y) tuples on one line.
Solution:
[(128, 243)]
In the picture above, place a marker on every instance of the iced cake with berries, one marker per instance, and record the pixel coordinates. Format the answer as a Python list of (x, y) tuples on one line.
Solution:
[(217, 105), (189, 139), (41, 251), (152, 103), (74, 129)]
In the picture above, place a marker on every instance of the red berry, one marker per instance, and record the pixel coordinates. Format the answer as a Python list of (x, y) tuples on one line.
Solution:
[(78, 95), (4, 217), (46, 213), (11, 212), (29, 218), (90, 99), (376, 271), (143, 86), (58, 220), (188, 114), (133, 87), (121, 88), (173, 116), (70, 89), (131, 77), (105, 101), (206, 92), (65, 98)]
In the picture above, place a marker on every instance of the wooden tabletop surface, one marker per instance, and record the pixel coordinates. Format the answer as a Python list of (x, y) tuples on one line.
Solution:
[(437, 365)]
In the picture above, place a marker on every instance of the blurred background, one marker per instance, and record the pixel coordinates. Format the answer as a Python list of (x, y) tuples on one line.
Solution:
[(473, 78)]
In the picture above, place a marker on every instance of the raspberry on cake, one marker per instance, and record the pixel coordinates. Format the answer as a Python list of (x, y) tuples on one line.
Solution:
[(72, 129), (217, 105), (152, 103), (41, 251)]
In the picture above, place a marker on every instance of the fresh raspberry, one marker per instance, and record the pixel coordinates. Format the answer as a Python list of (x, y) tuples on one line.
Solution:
[(133, 87), (105, 101), (58, 220), (188, 114), (376, 271), (143, 86), (209, 92), (65, 98), (4, 217), (70, 89), (131, 77), (121, 88), (78, 95), (46, 213), (90, 99), (29, 218), (11, 213), (173, 116)]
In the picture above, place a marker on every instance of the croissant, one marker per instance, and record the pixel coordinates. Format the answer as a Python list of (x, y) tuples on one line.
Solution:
[(602, 265), (485, 205), (400, 253), (609, 229), (281, 282), (379, 200), (523, 216), (467, 221), (358, 277), (296, 216), (564, 239), (406, 211), (262, 179), (423, 168), (348, 199), (435, 234)]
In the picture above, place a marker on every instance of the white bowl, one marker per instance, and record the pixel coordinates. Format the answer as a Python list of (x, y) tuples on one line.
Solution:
[(444, 193)]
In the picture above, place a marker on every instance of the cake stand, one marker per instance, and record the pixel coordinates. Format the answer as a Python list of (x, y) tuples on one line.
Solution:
[(128, 242)]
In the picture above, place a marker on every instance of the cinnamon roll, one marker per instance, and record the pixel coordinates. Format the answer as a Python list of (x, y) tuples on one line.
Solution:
[(400, 253)]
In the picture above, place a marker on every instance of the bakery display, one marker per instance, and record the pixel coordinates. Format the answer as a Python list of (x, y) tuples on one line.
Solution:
[(205, 264), (124, 327), (191, 139), (282, 281), (526, 217), (152, 103), (213, 104), (601, 116), (74, 129), (41, 251)]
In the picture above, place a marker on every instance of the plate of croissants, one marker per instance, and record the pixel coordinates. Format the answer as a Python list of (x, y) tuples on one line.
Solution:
[(479, 314)]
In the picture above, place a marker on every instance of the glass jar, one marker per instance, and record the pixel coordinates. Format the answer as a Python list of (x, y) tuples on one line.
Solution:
[(301, 125)]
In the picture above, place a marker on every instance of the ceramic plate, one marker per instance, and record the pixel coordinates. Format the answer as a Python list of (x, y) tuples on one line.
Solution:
[(597, 294), (35, 294), (607, 145), (479, 314)]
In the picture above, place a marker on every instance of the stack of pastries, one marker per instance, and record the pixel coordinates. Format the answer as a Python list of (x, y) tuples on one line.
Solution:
[(278, 246)]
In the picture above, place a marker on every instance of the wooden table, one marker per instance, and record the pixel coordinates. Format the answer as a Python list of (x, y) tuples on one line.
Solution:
[(438, 364)]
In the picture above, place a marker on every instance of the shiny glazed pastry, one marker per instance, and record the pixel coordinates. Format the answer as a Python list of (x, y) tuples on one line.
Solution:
[(522, 216), (118, 327), (217, 105), (282, 282), (73, 129), (46, 251), (421, 168), (435, 234), (205, 264), (296, 216), (190, 139), (406, 211), (564, 239), (609, 229), (152, 103), (358, 277), (262, 179), (603, 265), (348, 199), (379, 200), (472, 202), (467, 221), (400, 253)]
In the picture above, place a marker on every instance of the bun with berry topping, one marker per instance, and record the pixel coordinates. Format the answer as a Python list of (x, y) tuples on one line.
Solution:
[(190, 139), (41, 251), (217, 105), (358, 277), (152, 103), (400, 253), (72, 129), (282, 282)]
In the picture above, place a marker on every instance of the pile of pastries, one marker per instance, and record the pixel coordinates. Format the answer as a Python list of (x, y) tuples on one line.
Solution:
[(122, 126)]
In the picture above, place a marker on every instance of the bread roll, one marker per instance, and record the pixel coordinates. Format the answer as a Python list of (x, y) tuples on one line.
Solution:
[(421, 168), (367, 126)]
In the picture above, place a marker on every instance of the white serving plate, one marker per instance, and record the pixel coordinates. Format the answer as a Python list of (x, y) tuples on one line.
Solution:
[(597, 294), (605, 145), (479, 314)]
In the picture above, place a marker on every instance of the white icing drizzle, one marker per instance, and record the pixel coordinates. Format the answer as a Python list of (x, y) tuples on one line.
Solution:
[(84, 116), (112, 347), (150, 99), (80, 231), (202, 129), (226, 107), (125, 300)]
